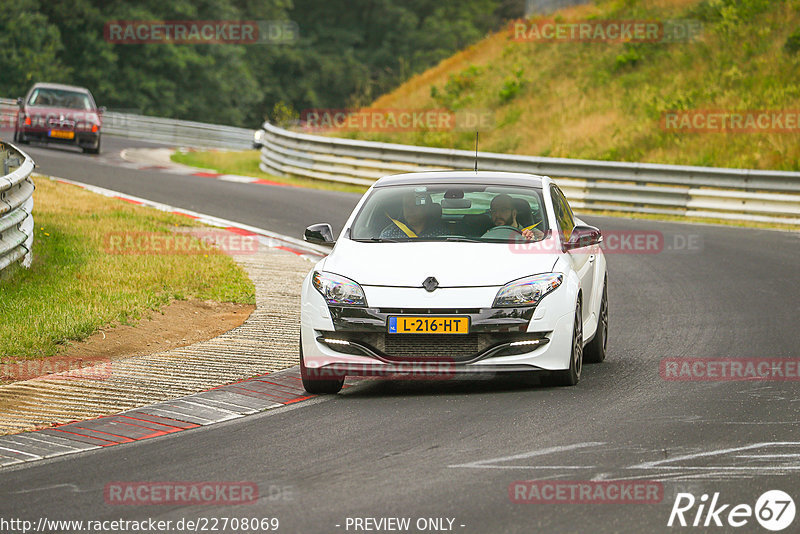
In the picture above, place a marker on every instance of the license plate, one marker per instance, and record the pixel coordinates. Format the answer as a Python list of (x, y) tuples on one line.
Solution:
[(409, 324), (61, 134)]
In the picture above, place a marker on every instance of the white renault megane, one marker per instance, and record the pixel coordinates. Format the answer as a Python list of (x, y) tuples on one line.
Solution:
[(450, 272)]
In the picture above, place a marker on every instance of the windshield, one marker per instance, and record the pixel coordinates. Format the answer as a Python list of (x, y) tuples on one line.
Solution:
[(59, 98), (451, 213)]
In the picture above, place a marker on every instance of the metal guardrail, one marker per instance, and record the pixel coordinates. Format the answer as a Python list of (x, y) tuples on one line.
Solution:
[(176, 132), (16, 207), (156, 129), (707, 192)]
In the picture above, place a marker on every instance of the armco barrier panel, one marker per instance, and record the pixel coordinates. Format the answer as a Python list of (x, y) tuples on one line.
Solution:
[(16, 207), (708, 192)]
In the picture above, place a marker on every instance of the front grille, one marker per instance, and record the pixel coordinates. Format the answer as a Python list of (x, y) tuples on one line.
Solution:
[(65, 124), (433, 347)]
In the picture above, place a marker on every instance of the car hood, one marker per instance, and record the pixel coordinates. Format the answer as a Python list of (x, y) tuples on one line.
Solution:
[(453, 264)]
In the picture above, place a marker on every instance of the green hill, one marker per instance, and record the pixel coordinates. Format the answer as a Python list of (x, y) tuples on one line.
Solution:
[(601, 100)]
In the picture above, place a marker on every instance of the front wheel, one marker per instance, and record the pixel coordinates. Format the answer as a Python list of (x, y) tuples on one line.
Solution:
[(314, 383), (571, 376), (595, 351)]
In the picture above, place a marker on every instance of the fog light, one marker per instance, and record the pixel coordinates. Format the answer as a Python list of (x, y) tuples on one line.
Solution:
[(335, 341), (526, 342)]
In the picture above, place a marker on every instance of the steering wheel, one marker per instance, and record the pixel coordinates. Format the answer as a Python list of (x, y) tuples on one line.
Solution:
[(493, 232)]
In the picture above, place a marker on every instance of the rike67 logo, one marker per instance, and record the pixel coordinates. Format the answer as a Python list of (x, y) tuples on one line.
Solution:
[(774, 510)]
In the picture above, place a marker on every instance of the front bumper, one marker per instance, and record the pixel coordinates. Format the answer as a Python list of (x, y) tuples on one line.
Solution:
[(81, 138), (499, 341), (493, 332), (355, 340)]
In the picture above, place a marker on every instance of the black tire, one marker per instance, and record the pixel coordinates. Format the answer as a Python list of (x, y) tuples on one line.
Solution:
[(595, 350), (95, 150), (571, 376), (315, 385)]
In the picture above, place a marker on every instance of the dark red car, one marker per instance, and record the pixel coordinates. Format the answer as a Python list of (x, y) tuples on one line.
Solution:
[(64, 114)]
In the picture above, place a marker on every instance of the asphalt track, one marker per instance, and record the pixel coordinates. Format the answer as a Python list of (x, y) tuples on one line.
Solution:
[(450, 449)]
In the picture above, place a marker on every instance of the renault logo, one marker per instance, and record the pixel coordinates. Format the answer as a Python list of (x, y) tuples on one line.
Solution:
[(430, 284)]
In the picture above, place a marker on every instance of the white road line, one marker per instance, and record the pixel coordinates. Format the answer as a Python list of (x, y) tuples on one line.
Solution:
[(73, 487), (768, 456), (481, 464), (20, 452), (534, 467), (659, 463), (237, 178)]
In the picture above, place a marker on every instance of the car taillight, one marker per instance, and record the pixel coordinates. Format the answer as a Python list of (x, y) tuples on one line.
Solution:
[(27, 121), (94, 128)]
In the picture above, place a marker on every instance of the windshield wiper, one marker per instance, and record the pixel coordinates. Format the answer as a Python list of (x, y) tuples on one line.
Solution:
[(376, 240)]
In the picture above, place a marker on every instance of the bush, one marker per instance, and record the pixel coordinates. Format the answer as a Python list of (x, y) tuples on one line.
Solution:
[(792, 45), (629, 58), (512, 86), (453, 95)]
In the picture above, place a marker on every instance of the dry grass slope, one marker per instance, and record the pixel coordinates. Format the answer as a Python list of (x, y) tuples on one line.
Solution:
[(605, 100)]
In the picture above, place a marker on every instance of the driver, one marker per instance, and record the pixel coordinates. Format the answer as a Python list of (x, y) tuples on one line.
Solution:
[(417, 220), (504, 213)]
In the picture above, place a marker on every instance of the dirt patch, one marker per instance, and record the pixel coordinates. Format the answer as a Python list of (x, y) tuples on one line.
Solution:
[(181, 323)]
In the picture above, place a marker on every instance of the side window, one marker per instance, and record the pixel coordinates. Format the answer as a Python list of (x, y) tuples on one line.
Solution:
[(556, 206), (563, 213), (569, 219)]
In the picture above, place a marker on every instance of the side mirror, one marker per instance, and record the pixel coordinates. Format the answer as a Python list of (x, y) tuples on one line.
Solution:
[(320, 234), (583, 236), (19, 101), (102, 109)]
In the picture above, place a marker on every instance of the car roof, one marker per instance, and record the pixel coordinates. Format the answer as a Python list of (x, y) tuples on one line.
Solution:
[(462, 177), (43, 85)]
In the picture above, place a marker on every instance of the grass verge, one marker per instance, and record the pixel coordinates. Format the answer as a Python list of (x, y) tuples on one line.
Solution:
[(686, 220), (74, 287), (245, 163)]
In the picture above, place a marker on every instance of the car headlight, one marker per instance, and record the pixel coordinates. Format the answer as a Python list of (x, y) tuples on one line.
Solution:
[(337, 289), (527, 291)]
